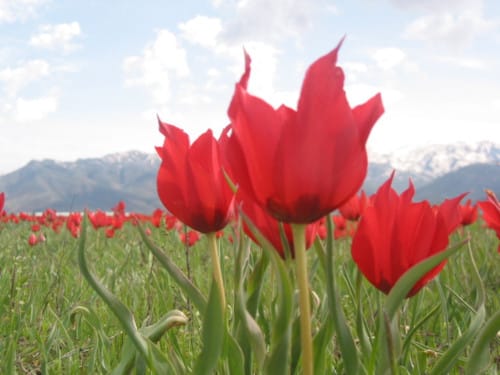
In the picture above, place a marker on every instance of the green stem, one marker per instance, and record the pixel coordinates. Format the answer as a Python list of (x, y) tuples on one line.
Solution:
[(217, 272), (299, 242)]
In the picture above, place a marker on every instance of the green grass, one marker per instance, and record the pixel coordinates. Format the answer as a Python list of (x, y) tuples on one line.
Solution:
[(52, 322)]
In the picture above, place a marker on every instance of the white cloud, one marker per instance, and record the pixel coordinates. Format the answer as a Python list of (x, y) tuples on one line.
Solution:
[(201, 30), (27, 110), (437, 6), (18, 10), (17, 78), (389, 57), (462, 62), (454, 29), (161, 60), (269, 20), (57, 36)]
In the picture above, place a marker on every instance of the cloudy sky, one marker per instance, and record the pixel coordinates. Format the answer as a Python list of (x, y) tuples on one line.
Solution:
[(87, 78)]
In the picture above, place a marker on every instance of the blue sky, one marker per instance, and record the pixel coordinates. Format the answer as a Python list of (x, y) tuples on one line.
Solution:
[(87, 78)]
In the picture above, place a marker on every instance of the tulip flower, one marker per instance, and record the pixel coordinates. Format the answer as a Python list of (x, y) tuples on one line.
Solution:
[(468, 213), (191, 183), (354, 207), (299, 165), (32, 239), (2, 201), (395, 234), (491, 212)]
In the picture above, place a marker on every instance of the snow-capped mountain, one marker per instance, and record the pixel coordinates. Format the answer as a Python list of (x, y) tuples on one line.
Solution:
[(438, 172), (429, 162)]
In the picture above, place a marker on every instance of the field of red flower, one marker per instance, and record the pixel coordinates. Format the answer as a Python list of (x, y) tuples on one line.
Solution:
[(267, 260)]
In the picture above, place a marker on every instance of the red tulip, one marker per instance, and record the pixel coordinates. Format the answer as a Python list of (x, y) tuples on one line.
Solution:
[(299, 165), (491, 212), (450, 209), (394, 234), (191, 183), (2, 201), (189, 238), (32, 239), (74, 223), (468, 213), (354, 207)]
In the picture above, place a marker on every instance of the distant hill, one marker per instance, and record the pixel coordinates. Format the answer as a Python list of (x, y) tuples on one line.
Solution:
[(99, 183), (85, 183), (473, 178)]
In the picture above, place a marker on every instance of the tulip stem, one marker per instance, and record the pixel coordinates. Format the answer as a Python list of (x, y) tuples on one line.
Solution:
[(217, 273), (299, 242)]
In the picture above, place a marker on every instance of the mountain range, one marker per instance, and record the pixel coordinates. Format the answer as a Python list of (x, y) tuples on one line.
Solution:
[(438, 172)]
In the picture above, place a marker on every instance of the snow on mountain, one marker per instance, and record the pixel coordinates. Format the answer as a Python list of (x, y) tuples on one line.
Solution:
[(432, 161)]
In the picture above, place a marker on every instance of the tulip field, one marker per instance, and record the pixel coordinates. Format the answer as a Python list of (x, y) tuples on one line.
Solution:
[(267, 258), (53, 322)]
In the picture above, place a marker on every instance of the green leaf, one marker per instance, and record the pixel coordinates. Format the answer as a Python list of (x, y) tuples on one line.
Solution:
[(213, 331), (175, 272), (344, 336), (448, 359), (479, 357), (234, 355), (403, 286), (278, 359), (117, 307)]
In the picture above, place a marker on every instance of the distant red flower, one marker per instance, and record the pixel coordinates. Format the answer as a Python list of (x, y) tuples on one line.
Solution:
[(354, 207), (32, 239), (395, 233), (299, 165), (189, 238), (171, 222), (74, 223), (110, 232), (2, 201), (468, 213), (156, 217), (491, 212), (99, 219), (343, 228), (191, 183)]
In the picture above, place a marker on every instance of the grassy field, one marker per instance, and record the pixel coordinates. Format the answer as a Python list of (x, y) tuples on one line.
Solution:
[(53, 322)]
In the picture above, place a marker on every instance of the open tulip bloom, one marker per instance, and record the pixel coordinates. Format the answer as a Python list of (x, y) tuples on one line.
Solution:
[(299, 165), (395, 234), (191, 183)]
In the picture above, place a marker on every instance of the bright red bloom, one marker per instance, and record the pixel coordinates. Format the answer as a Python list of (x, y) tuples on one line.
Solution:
[(191, 183), (32, 239), (394, 234), (189, 238), (74, 224), (156, 217), (343, 228), (491, 212), (99, 219), (468, 213), (354, 207), (2, 201), (299, 165), (450, 209)]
